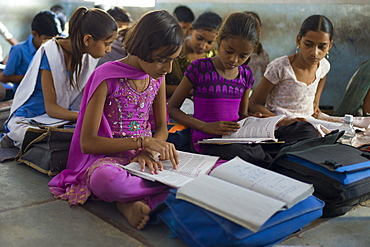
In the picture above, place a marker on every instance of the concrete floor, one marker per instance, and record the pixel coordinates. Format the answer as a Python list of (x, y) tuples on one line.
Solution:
[(30, 216)]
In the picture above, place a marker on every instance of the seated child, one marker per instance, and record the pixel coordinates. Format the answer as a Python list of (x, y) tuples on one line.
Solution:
[(292, 85), (185, 17), (259, 58), (221, 87), (45, 25), (113, 129), (198, 45), (123, 19), (61, 15), (59, 71)]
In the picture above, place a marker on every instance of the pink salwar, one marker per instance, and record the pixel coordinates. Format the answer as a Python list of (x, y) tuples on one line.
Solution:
[(111, 183)]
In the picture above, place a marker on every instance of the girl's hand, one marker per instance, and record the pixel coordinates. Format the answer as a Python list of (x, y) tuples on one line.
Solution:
[(260, 115), (257, 114), (148, 158), (287, 121), (220, 128), (166, 150), (316, 111)]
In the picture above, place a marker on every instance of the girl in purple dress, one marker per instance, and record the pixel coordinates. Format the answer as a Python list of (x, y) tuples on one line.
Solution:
[(221, 87), (113, 127)]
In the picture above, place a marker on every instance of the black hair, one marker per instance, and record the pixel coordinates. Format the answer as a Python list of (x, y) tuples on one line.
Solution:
[(259, 47), (208, 21), (46, 23), (154, 30), (120, 14), (317, 23), (95, 22), (242, 25), (57, 8), (239, 24), (183, 14), (61, 15), (255, 15)]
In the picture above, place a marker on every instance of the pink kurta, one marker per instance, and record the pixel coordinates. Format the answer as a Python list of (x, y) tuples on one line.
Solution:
[(125, 115)]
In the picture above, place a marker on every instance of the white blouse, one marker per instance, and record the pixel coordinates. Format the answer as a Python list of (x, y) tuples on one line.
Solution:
[(289, 96)]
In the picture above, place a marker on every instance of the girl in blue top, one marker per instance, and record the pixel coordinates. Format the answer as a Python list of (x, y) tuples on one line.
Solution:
[(59, 71)]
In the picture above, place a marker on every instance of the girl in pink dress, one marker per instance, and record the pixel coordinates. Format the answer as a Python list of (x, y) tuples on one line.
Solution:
[(113, 127)]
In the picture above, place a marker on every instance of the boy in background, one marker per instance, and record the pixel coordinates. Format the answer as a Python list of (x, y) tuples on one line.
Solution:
[(45, 25), (185, 17), (61, 15), (123, 20)]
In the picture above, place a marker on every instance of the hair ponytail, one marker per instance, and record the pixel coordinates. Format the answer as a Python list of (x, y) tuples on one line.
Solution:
[(95, 22), (76, 37)]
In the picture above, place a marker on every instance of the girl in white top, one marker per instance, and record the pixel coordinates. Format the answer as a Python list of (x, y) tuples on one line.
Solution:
[(292, 85)]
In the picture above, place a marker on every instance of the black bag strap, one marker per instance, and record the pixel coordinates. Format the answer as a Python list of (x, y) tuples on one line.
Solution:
[(32, 136), (330, 138)]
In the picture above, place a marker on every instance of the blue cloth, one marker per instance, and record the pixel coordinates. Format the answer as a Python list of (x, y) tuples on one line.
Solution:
[(7, 86), (34, 106), (20, 57)]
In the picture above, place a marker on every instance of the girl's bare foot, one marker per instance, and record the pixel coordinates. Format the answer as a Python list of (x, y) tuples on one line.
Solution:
[(136, 212)]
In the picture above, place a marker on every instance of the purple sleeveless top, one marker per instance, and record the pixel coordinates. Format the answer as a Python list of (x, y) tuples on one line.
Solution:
[(215, 98)]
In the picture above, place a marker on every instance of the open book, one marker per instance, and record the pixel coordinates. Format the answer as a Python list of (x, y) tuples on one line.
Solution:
[(191, 165), (45, 120), (244, 193), (252, 130)]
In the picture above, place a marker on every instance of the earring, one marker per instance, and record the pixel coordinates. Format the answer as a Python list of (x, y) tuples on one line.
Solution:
[(297, 50), (327, 55)]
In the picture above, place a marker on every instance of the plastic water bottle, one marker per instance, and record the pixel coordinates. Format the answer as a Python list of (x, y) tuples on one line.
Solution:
[(349, 131)]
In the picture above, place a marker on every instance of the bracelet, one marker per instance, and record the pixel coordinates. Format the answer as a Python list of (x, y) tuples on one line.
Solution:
[(141, 139)]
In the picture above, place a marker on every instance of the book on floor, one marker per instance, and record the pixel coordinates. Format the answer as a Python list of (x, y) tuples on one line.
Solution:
[(252, 130), (191, 165), (244, 193)]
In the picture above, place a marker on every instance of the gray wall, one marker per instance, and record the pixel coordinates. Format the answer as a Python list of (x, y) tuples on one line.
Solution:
[(280, 21)]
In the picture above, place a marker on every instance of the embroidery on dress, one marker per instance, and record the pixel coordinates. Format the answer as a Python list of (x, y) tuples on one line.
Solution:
[(134, 126)]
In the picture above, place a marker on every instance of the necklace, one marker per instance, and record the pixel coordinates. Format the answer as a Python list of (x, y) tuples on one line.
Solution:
[(143, 87), (140, 97)]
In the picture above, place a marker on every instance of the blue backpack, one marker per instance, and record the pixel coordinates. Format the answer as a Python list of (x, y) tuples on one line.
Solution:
[(196, 226)]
